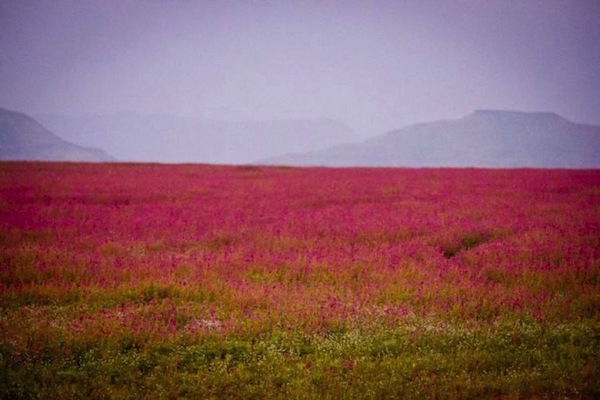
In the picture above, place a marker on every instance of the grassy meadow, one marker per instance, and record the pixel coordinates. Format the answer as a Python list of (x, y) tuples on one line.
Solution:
[(147, 281)]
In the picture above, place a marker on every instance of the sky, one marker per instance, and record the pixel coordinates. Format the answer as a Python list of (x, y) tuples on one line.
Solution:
[(374, 65)]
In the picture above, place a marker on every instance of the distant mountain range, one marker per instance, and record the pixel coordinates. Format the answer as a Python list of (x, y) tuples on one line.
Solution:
[(23, 138), (155, 138), (485, 138)]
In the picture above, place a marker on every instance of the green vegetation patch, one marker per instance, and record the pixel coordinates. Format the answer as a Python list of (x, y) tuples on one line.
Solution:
[(422, 358)]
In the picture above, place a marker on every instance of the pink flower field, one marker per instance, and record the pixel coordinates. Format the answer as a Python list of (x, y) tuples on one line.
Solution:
[(196, 281)]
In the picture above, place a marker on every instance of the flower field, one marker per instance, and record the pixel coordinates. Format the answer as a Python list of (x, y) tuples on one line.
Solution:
[(193, 281)]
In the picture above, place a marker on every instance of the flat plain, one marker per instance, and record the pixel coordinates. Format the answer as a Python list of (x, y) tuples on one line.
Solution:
[(195, 281)]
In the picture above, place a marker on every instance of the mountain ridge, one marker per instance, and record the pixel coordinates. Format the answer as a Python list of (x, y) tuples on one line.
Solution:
[(22, 138), (483, 138)]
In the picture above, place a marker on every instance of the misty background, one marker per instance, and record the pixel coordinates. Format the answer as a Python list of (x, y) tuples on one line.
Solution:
[(373, 65)]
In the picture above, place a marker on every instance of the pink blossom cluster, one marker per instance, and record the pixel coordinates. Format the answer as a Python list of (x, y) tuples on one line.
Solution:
[(185, 249)]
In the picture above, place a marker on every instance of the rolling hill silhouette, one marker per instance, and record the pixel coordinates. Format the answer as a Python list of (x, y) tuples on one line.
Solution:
[(484, 138), (23, 138)]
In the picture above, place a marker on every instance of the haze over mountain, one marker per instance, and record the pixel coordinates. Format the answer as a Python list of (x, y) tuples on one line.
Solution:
[(485, 138), (171, 139), (374, 65), (23, 138)]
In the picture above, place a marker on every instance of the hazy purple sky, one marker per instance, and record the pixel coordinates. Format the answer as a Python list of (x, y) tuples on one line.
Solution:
[(375, 65)]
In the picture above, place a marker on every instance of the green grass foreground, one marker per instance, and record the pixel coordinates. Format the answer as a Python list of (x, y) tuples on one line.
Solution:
[(420, 358)]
